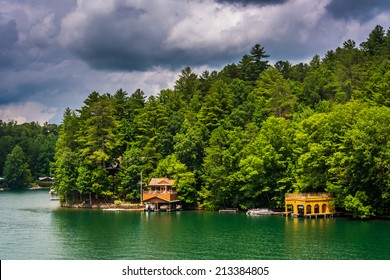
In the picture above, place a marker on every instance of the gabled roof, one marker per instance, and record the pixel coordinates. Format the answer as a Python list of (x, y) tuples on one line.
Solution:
[(46, 179), (161, 199), (161, 182)]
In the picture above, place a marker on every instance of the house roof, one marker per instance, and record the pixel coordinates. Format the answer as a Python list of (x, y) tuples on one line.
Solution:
[(161, 182), (46, 178), (308, 196), (159, 199)]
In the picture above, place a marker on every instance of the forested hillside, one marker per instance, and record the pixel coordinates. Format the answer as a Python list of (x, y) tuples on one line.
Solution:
[(244, 136), (26, 151)]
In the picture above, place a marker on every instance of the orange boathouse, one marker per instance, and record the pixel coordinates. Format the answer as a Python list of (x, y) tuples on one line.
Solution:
[(160, 195), (309, 204)]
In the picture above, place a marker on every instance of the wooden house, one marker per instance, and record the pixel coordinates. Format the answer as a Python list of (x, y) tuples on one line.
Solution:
[(309, 204), (160, 194)]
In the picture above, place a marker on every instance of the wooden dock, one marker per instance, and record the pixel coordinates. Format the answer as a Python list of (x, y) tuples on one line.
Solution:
[(123, 209), (311, 215), (228, 210), (318, 215)]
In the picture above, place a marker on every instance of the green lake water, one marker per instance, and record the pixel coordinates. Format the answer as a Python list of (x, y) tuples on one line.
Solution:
[(33, 227)]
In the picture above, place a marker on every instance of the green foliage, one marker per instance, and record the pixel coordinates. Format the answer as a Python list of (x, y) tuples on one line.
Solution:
[(65, 172), (265, 167), (37, 142), (129, 174), (98, 135), (356, 205), (216, 106), (184, 179), (189, 146), (16, 172), (221, 188), (277, 91), (241, 137), (252, 65)]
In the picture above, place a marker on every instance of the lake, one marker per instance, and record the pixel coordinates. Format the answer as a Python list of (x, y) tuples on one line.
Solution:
[(34, 227)]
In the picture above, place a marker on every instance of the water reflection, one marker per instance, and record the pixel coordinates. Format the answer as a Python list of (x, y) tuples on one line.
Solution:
[(308, 238), (32, 228), (94, 234), (84, 234)]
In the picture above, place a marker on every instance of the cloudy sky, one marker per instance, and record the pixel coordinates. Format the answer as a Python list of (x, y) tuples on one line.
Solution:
[(54, 53)]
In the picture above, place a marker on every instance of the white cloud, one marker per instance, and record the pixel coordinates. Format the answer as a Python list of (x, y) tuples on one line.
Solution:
[(27, 112), (151, 82), (207, 25)]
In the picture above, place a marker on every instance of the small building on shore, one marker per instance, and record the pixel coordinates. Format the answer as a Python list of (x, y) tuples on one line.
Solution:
[(46, 179), (160, 194), (309, 204)]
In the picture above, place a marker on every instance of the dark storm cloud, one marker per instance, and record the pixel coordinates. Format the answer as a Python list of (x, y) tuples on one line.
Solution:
[(112, 42), (8, 33), (9, 37), (29, 52), (142, 54), (57, 52), (252, 2), (362, 10), (37, 84), (135, 39), (172, 34)]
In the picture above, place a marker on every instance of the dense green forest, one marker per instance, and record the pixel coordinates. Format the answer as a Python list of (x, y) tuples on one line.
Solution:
[(26, 151), (243, 136)]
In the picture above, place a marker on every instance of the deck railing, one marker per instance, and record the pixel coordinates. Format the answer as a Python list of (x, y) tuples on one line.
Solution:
[(292, 196), (156, 192), (169, 195)]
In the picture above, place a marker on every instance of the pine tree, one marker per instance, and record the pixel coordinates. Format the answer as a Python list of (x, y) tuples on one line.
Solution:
[(16, 172)]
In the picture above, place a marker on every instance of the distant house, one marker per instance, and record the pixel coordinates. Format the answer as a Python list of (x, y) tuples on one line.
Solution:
[(46, 179), (160, 194), (1, 181), (309, 204)]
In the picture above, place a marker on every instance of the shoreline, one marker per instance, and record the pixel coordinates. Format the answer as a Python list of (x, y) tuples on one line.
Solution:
[(105, 206), (139, 207)]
